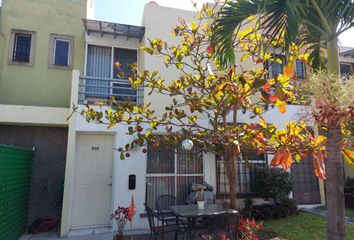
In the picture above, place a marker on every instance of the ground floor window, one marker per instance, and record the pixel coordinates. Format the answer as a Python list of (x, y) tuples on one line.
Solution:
[(246, 170), (172, 171)]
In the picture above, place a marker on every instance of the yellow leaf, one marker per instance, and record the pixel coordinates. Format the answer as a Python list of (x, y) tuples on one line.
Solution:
[(278, 60), (244, 57), (297, 157), (262, 122), (99, 103)]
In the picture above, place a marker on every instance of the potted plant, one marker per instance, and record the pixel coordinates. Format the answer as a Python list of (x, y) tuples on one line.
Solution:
[(199, 196), (123, 215)]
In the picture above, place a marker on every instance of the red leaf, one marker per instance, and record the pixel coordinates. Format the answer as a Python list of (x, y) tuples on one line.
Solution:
[(266, 87), (253, 126), (273, 98), (210, 49)]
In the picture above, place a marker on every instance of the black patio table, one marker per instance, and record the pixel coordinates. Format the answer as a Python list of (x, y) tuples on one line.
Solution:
[(191, 211)]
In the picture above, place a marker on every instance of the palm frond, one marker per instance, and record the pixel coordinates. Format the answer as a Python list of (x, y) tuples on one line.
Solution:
[(225, 26)]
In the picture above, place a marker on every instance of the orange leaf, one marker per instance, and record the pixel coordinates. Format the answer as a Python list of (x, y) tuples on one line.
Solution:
[(319, 165), (259, 61), (131, 210), (282, 107), (287, 160), (349, 153), (276, 160), (283, 158), (260, 151), (289, 69), (261, 138)]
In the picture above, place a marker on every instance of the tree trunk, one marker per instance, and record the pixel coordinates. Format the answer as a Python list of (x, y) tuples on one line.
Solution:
[(335, 186), (333, 57), (230, 158)]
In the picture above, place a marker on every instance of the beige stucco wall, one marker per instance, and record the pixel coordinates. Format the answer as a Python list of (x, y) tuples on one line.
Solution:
[(158, 22), (39, 85)]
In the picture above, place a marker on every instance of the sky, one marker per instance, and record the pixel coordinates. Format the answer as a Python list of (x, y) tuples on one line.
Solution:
[(131, 11)]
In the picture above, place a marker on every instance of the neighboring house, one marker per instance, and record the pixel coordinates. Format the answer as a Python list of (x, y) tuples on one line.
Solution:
[(97, 181), (346, 58), (41, 46)]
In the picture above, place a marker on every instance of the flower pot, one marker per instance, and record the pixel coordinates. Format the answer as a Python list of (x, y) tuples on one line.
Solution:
[(201, 204), (119, 236)]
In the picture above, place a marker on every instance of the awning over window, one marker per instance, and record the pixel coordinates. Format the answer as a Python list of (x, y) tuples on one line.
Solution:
[(115, 29), (347, 51)]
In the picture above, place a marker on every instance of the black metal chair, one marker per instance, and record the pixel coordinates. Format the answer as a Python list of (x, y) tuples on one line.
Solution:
[(177, 226), (224, 224), (163, 203), (164, 213)]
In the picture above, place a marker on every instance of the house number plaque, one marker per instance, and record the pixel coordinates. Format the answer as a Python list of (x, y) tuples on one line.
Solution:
[(95, 148)]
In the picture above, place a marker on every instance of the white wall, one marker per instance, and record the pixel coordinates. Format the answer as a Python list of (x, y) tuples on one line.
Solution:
[(158, 22)]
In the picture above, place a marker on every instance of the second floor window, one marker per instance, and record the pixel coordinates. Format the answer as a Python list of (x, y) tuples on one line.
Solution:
[(61, 52), (22, 47), (61, 49)]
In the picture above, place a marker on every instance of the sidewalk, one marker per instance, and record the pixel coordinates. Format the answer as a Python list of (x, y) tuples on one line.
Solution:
[(102, 236), (324, 214)]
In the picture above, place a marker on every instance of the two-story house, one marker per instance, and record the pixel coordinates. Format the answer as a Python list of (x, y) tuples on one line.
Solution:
[(41, 46), (96, 180)]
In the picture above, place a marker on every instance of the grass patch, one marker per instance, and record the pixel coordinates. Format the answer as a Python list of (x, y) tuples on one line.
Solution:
[(299, 227)]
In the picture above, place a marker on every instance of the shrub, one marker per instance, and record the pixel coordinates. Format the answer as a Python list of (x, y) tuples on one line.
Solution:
[(274, 183), (270, 211)]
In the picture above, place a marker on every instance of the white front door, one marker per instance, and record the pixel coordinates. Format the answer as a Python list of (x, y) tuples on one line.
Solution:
[(93, 181)]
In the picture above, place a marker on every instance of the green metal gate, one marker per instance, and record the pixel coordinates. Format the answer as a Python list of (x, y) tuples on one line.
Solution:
[(15, 185)]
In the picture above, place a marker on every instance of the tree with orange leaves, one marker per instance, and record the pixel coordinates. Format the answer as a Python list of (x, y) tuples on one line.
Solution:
[(206, 101)]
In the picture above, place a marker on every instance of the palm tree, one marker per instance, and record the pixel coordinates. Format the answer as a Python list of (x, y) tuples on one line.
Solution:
[(318, 23)]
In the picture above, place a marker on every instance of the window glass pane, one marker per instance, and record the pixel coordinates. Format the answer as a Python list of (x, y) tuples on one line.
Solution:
[(125, 57), (157, 186), (189, 162), (61, 55), (345, 69), (300, 69), (22, 47), (276, 68), (160, 160), (246, 171)]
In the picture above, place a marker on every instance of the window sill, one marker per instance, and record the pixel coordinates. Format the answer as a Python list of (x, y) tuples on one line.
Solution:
[(60, 67), (27, 64)]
